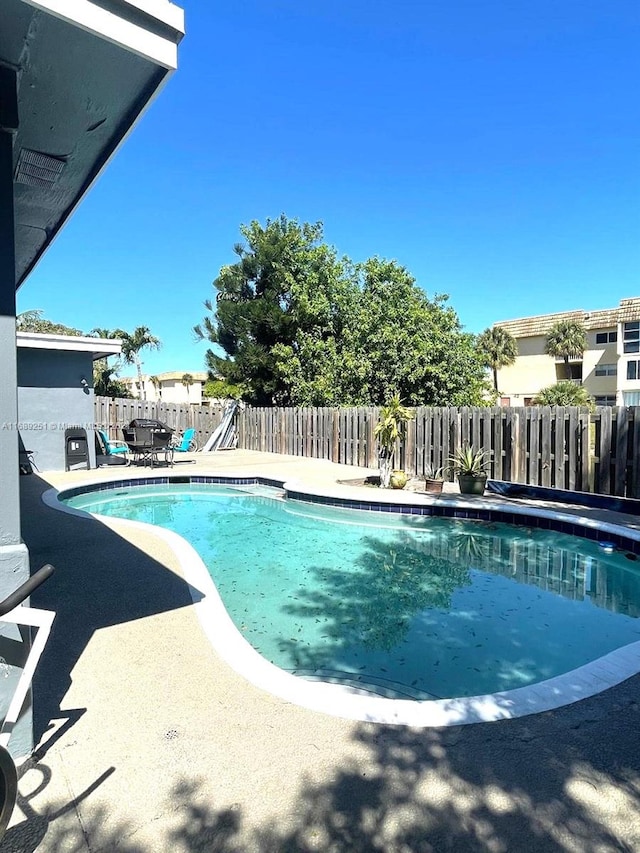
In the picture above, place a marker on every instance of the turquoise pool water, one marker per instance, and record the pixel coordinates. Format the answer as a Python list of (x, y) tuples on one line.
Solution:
[(402, 605)]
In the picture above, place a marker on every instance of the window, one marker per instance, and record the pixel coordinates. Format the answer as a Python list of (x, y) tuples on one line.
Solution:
[(505, 401), (631, 337), (606, 337), (606, 400), (632, 370), (606, 370)]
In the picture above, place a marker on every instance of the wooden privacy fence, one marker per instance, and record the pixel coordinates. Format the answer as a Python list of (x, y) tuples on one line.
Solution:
[(112, 414), (568, 448)]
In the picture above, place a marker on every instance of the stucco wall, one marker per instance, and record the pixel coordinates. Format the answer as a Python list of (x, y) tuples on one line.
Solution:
[(532, 371), (52, 399)]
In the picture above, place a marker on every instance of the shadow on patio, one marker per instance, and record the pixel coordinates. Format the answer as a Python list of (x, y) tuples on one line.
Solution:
[(101, 580), (529, 785)]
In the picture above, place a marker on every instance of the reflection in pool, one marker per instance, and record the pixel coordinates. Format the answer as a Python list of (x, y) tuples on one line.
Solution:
[(402, 605)]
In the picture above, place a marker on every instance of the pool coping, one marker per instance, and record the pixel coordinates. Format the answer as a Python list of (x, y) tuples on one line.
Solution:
[(349, 702)]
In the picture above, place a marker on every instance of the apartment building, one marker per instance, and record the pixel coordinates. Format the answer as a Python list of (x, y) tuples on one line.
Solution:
[(170, 387), (609, 369)]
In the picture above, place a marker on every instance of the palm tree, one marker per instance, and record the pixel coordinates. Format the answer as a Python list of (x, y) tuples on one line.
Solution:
[(563, 393), (187, 380), (497, 348), (106, 382), (157, 385), (132, 344), (100, 332), (566, 339), (390, 427)]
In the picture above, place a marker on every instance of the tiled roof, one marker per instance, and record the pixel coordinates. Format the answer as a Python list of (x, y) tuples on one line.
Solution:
[(526, 327)]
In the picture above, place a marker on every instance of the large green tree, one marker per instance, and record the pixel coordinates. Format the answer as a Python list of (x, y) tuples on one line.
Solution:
[(498, 348), (34, 321), (281, 301), (566, 339), (412, 345), (301, 326)]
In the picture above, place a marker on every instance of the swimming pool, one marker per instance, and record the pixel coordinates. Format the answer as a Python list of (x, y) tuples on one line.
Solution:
[(399, 606)]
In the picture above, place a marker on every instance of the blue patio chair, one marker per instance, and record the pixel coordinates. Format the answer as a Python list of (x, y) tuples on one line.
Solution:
[(112, 448), (187, 442)]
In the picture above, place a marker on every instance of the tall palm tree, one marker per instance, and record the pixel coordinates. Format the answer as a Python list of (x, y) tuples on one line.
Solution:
[(187, 381), (566, 339), (497, 348), (157, 385), (132, 344)]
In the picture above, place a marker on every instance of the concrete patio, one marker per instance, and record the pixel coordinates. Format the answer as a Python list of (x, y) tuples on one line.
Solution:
[(149, 742)]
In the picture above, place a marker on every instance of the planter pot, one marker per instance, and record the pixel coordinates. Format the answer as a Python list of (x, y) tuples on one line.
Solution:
[(472, 484), (433, 487), (398, 480)]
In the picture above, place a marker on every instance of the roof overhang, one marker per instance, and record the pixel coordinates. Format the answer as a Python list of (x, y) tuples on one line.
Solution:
[(98, 347), (85, 71)]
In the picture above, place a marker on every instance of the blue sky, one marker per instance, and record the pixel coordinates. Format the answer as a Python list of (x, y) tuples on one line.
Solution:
[(490, 147)]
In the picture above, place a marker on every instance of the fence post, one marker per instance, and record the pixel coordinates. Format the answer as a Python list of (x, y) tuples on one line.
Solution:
[(633, 488)]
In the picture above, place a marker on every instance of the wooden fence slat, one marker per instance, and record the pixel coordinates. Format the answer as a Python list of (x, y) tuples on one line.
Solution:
[(465, 437), (633, 488), (584, 429), (546, 462), (410, 449), (531, 473), (603, 451), (622, 447), (558, 472), (419, 438), (449, 424), (427, 427), (476, 438), (485, 435), (436, 437), (497, 424), (523, 456)]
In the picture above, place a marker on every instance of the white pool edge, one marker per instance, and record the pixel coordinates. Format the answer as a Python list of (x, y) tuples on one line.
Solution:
[(347, 702)]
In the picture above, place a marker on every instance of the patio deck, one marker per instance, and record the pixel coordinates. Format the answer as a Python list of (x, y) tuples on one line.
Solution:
[(150, 742)]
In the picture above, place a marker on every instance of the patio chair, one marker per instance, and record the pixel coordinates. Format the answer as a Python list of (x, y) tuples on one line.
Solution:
[(187, 442), (112, 448)]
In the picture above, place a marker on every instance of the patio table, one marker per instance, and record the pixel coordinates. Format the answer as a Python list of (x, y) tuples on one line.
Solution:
[(148, 446)]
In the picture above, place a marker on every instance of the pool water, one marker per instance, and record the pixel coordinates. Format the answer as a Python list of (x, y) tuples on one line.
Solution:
[(405, 606)]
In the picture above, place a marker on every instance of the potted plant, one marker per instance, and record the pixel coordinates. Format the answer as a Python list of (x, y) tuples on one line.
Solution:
[(390, 427), (471, 465), (398, 479), (433, 479)]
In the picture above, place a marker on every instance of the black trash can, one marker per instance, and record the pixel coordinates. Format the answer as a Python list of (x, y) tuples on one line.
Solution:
[(76, 449)]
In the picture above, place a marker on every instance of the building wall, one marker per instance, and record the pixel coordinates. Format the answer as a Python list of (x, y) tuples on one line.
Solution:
[(171, 389), (51, 398), (532, 371)]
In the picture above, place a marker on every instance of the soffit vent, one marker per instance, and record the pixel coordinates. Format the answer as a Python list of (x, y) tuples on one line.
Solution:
[(38, 170)]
